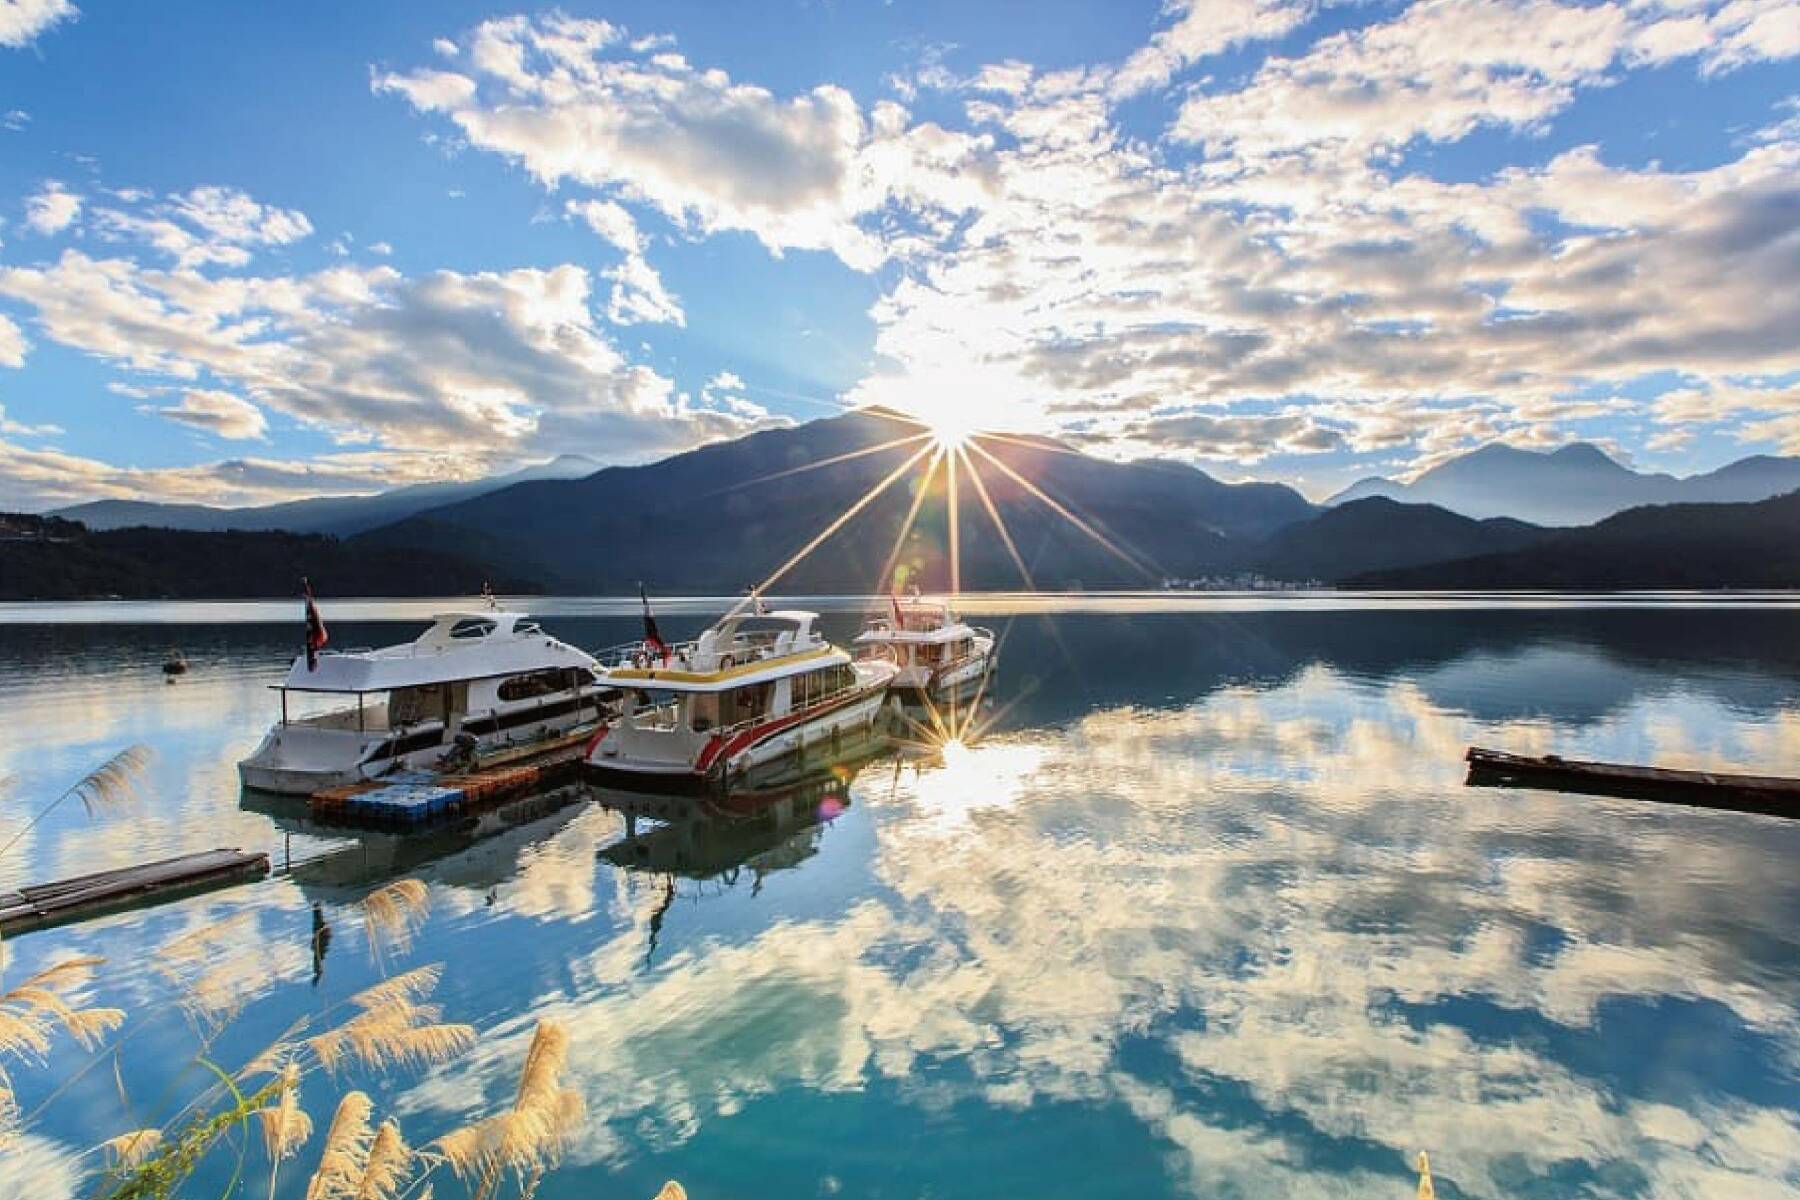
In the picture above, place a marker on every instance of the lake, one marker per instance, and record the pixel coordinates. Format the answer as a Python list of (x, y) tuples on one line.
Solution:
[(1207, 911)]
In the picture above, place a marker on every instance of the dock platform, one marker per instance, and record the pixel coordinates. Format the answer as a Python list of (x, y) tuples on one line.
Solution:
[(44, 905), (1771, 795), (409, 799)]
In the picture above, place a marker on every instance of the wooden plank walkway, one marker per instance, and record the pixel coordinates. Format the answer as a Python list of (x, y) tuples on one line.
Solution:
[(43, 905), (1772, 795)]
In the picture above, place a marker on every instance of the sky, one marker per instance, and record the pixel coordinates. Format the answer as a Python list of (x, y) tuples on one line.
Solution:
[(251, 253)]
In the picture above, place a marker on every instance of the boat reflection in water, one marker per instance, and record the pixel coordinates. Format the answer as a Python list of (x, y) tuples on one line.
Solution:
[(773, 827), (476, 853)]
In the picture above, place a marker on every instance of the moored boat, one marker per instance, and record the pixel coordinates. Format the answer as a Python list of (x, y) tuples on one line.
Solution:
[(938, 656), (752, 691), (475, 688)]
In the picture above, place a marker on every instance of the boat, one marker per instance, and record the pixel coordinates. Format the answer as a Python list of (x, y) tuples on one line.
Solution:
[(752, 692), (1769, 794), (476, 689), (938, 656)]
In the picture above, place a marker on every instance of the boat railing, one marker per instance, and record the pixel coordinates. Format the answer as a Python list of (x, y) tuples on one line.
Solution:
[(726, 732), (742, 648)]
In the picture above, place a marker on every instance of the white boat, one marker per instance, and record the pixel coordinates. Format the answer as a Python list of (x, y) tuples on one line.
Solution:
[(939, 657), (476, 686), (752, 691)]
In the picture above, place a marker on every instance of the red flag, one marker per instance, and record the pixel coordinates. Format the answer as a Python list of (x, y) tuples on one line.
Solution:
[(316, 637), (653, 643)]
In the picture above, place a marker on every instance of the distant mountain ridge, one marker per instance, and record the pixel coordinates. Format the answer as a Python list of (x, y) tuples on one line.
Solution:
[(1577, 484), (52, 558), (1718, 545), (1376, 534), (727, 514), (338, 515)]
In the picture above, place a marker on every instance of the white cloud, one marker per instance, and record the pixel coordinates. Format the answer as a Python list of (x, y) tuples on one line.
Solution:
[(477, 371), (609, 219), (1437, 71), (1202, 29), (806, 172), (218, 413), (21, 21), (53, 209), (205, 226), (13, 345)]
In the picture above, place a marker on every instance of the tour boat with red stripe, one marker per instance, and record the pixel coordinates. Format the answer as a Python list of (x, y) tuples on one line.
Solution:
[(939, 658), (754, 690)]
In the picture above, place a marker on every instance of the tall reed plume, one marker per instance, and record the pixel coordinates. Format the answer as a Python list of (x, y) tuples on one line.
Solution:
[(529, 1138), (32, 1012), (392, 914), (130, 1149), (109, 785), (393, 1027)]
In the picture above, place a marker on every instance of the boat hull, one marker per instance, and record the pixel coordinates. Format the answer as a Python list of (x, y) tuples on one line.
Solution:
[(272, 770), (726, 761)]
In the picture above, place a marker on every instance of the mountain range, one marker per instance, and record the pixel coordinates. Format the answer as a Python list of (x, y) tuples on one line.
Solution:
[(339, 515), (1575, 485), (810, 500)]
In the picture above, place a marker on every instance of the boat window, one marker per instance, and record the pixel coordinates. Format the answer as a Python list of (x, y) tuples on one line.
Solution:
[(410, 704), (470, 628), (748, 703), (703, 711), (538, 683)]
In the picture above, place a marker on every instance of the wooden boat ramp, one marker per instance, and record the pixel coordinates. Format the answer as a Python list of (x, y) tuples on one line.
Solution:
[(44, 905), (1768, 794)]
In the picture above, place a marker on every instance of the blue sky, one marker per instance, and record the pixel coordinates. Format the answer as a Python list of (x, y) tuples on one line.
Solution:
[(256, 252)]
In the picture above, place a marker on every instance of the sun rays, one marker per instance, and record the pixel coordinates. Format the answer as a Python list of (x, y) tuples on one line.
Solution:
[(948, 453)]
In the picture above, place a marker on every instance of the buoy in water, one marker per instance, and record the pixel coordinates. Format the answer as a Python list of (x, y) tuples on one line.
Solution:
[(175, 665)]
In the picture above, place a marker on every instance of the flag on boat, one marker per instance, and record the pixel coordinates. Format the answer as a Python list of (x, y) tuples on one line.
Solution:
[(653, 642), (316, 637)]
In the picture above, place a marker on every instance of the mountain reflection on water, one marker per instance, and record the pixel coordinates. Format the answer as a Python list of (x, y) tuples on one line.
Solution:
[(1209, 912)]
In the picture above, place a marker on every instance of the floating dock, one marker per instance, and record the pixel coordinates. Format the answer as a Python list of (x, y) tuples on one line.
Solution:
[(48, 904), (409, 799), (1768, 794)]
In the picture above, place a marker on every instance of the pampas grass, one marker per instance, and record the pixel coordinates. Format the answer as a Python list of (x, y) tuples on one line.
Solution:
[(109, 785), (346, 1149), (285, 1125), (392, 914), (388, 1165), (530, 1137), (394, 1027), (129, 1149), (32, 1012), (358, 1164)]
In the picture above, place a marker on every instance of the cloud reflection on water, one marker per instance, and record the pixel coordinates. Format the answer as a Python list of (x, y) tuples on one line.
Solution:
[(1276, 929)]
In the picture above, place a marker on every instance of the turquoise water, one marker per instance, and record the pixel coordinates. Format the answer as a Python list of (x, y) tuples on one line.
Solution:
[(1207, 912)]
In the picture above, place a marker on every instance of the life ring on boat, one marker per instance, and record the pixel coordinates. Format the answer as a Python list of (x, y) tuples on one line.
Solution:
[(726, 663)]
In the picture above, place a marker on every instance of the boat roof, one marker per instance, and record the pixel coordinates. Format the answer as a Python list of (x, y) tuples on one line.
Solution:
[(462, 645), (880, 635), (674, 679), (716, 662)]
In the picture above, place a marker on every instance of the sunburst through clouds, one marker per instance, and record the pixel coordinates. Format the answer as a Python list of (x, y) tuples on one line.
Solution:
[(946, 454)]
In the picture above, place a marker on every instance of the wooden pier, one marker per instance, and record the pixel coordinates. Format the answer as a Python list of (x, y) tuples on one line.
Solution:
[(48, 904), (1768, 794)]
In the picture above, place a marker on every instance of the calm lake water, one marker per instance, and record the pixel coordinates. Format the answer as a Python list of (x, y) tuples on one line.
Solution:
[(1207, 912)]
